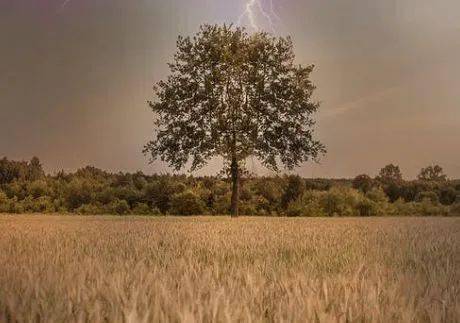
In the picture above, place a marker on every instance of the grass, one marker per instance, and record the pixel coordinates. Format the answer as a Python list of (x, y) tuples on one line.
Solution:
[(213, 269)]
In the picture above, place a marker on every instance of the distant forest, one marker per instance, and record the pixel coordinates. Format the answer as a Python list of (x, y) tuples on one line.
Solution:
[(25, 188)]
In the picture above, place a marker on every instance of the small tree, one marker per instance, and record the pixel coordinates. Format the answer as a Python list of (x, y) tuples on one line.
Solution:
[(390, 174), (295, 187), (432, 173), (363, 182), (234, 95)]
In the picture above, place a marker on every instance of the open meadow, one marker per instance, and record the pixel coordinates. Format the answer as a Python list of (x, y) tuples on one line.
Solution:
[(217, 269)]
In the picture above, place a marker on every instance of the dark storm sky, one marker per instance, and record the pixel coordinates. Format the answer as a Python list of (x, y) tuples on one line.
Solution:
[(75, 76)]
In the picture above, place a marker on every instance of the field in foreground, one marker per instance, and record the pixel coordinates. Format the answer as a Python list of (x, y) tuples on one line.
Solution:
[(65, 269)]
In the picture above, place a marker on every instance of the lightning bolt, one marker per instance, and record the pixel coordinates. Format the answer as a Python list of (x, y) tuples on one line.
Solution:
[(254, 8), (63, 5)]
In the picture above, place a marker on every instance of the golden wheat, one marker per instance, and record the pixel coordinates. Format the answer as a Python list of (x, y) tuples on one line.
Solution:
[(78, 269)]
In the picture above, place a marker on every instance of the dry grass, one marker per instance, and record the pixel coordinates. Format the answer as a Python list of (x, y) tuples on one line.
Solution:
[(66, 269)]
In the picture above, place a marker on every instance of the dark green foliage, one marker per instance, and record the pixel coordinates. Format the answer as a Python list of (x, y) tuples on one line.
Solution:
[(448, 195), (340, 201), (293, 190), (20, 170), (143, 209), (430, 196), (159, 192), (368, 207), (432, 173), (364, 183), (187, 203), (80, 191), (235, 95), (390, 174), (120, 207), (377, 195), (309, 204), (93, 191), (92, 209)]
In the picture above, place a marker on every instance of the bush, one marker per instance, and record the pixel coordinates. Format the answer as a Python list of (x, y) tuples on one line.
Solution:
[(363, 183), (447, 195), (247, 208), (367, 207), (427, 195), (427, 208), (307, 205), (91, 209), (16, 189), (159, 193), (294, 189), (30, 205), (377, 195), (141, 209), (79, 192), (4, 203), (454, 209), (119, 207), (93, 191), (402, 208), (340, 201), (221, 205), (187, 203), (43, 205), (37, 189)]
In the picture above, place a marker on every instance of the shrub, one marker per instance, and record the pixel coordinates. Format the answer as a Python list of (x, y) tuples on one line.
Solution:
[(270, 192), (43, 204), (427, 195), (367, 207), (404, 208), (447, 195), (37, 189), (127, 193), (340, 201), (120, 207), (187, 203), (159, 193), (427, 208), (248, 208), (16, 207), (454, 209), (221, 205), (294, 188), (363, 183), (91, 209), (16, 189), (142, 209), (4, 203), (79, 192), (377, 195), (307, 205)]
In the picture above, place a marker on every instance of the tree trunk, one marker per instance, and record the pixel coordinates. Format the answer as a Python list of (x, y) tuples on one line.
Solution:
[(235, 187)]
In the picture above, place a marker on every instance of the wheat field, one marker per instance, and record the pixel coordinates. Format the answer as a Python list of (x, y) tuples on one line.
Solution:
[(217, 269)]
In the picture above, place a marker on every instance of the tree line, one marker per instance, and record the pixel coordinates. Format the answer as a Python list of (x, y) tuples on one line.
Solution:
[(25, 188)]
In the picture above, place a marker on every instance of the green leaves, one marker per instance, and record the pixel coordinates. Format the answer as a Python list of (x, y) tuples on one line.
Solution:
[(234, 95)]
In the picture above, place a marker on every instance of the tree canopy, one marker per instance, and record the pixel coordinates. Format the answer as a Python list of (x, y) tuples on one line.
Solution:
[(432, 173), (390, 174)]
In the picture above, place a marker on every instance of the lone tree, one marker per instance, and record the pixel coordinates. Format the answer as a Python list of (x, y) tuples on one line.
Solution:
[(234, 95)]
